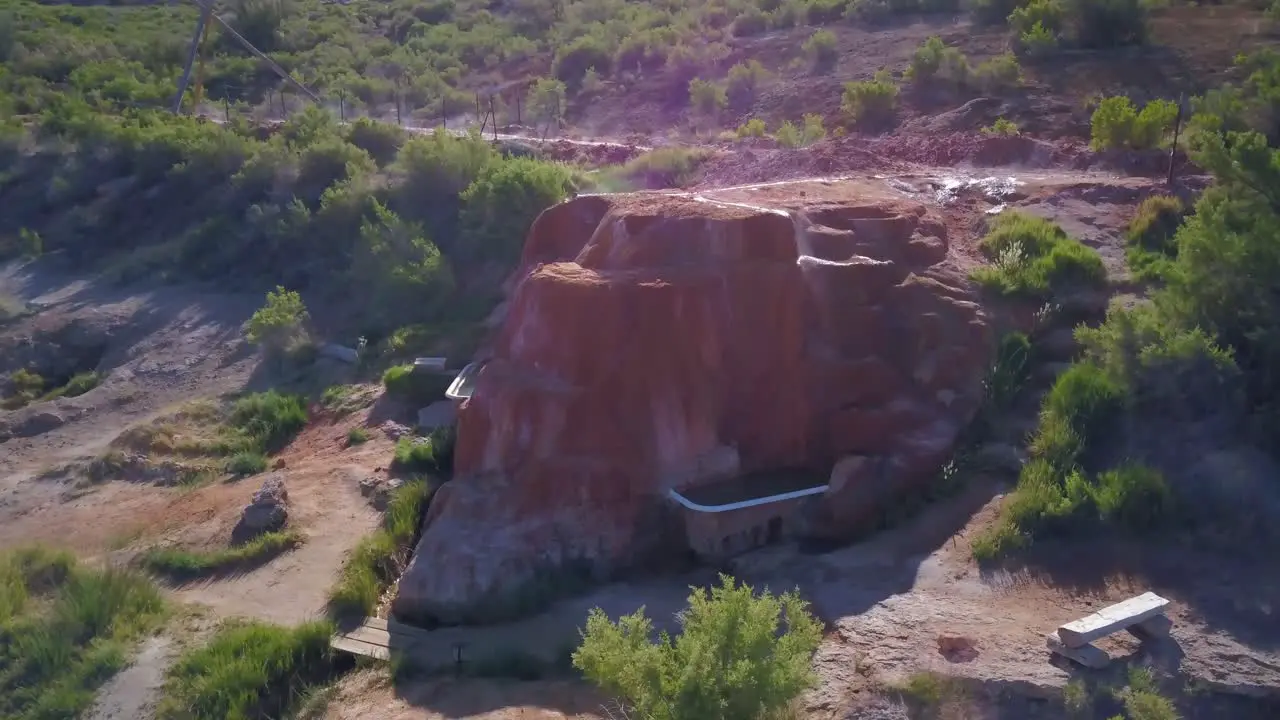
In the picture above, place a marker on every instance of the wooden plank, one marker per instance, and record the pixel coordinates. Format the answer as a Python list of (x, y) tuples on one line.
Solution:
[(1152, 628), (355, 647), (395, 628), (1087, 655), (1111, 619)]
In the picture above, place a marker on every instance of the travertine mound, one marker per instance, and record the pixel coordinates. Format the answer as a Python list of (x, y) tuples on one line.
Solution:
[(650, 336)]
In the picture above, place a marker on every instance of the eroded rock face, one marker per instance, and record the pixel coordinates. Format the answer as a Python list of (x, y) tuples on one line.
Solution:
[(647, 333)]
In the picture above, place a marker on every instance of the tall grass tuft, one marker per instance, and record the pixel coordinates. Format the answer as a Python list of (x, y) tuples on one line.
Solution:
[(379, 558), (1032, 257), (65, 629), (248, 670), (183, 564)]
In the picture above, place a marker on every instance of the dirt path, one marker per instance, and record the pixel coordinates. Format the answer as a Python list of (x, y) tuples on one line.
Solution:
[(134, 691)]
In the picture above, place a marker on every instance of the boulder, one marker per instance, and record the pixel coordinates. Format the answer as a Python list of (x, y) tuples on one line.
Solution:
[(266, 512), (646, 332)]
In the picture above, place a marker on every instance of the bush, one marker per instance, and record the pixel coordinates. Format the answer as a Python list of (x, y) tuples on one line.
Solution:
[(1133, 496), (380, 558), (1151, 245), (752, 128), (573, 60), (247, 670), (992, 12), (707, 98), (420, 388), (1116, 124), (432, 454), (380, 140), (280, 324), (936, 62), (182, 564), (500, 206), (788, 135), (1038, 41), (1049, 15), (246, 463), (1034, 257), (665, 167), (871, 103), (744, 83), (65, 630), (269, 419), (1109, 23), (750, 21), (818, 12), (822, 51), (738, 656), (999, 74), (1002, 127), (357, 436)]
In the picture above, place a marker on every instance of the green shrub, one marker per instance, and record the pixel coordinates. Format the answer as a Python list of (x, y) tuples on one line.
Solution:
[(743, 83), (750, 21), (871, 103), (381, 140), (182, 564), (269, 419), (1034, 257), (1002, 127), (992, 12), (822, 51), (81, 383), (380, 558), (432, 454), (280, 324), (1048, 14), (420, 388), (999, 74), (1151, 247), (707, 98), (246, 463), (818, 12), (665, 167), (574, 59), (247, 670), (1117, 123), (788, 135), (814, 130), (65, 630), (500, 206), (1108, 23), (935, 62), (1038, 41), (752, 128), (1134, 496), (738, 656), (357, 436)]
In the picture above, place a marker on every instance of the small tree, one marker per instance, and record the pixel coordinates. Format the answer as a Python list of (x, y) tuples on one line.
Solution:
[(821, 49), (871, 103), (280, 325), (730, 662), (546, 101), (744, 83), (707, 98)]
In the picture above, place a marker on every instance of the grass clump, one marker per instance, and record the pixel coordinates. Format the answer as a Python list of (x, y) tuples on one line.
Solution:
[(183, 564), (1117, 124), (244, 464), (1151, 249), (65, 630), (380, 558), (665, 167), (246, 671), (267, 421), (418, 387), (1033, 257), (357, 436), (1002, 127), (822, 51)]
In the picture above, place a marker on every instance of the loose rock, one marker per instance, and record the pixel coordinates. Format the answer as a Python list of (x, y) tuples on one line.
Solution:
[(268, 511)]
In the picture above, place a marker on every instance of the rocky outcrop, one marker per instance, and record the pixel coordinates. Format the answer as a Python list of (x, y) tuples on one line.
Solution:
[(649, 332), (266, 512)]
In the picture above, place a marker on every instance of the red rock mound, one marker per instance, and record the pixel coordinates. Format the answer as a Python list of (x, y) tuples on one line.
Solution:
[(652, 336)]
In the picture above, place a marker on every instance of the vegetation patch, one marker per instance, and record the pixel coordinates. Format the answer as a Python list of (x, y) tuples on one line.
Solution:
[(1150, 248), (738, 655), (183, 565), (422, 388), (379, 559), (248, 671), (871, 104), (1032, 257), (666, 167), (27, 387), (66, 629)]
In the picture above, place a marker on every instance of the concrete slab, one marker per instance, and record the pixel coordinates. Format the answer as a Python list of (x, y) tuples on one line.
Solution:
[(1152, 628), (1112, 619), (1086, 655)]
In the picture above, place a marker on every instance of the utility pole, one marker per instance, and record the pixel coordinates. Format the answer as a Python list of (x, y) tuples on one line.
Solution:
[(206, 12)]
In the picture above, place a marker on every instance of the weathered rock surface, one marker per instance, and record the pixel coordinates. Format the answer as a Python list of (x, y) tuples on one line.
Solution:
[(266, 512), (648, 332)]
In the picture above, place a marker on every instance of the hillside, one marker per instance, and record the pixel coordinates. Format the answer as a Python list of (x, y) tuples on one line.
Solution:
[(958, 317)]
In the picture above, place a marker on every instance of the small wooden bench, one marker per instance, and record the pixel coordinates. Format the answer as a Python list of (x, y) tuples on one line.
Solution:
[(1142, 616)]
